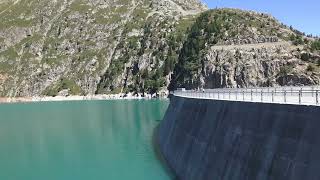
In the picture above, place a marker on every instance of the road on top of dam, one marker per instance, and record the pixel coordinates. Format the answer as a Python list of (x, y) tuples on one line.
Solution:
[(306, 95)]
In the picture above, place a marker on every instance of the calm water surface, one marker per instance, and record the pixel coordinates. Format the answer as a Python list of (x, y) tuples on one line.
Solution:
[(88, 140)]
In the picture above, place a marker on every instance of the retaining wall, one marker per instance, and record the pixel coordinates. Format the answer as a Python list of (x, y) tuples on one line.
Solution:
[(224, 140)]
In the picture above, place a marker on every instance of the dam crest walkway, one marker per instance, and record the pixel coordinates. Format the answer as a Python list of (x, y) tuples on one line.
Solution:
[(306, 95)]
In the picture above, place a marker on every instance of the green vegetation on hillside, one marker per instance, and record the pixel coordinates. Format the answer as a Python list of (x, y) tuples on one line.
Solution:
[(129, 46), (216, 26), (63, 84), (297, 39), (315, 45)]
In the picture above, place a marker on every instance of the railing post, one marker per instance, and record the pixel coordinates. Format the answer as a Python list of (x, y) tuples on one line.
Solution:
[(317, 97), (251, 95), (300, 93), (285, 96), (236, 94), (261, 95), (272, 96), (243, 95), (229, 95)]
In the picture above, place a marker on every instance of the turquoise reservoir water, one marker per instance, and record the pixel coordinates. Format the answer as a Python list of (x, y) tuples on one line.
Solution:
[(88, 140)]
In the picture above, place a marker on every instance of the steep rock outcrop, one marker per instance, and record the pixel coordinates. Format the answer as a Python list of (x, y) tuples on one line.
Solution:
[(88, 46), (255, 65), (234, 48), (95, 47)]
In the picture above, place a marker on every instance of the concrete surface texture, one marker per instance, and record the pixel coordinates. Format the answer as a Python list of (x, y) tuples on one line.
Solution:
[(204, 139)]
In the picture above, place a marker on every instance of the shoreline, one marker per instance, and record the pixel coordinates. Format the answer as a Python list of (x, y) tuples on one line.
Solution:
[(9, 100)]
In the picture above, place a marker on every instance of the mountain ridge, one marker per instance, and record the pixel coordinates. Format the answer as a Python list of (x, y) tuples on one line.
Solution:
[(82, 47)]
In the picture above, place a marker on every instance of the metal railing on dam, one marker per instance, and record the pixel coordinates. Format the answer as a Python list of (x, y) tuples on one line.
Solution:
[(308, 95)]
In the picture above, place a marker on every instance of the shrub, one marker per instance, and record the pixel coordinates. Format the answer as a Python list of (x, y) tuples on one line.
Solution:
[(285, 70), (305, 56), (296, 39), (315, 45), (311, 68)]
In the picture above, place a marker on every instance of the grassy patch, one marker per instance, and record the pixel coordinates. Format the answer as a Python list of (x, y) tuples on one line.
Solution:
[(312, 68), (5, 67), (10, 54), (80, 7), (315, 45), (15, 23), (285, 70), (1, 39), (62, 85)]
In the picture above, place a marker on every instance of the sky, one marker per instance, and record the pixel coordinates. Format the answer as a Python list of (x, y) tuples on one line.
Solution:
[(303, 15)]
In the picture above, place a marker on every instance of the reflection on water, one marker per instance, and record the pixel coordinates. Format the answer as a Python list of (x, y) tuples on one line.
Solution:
[(80, 140)]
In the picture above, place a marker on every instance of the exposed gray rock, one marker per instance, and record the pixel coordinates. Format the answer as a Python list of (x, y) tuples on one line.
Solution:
[(116, 46)]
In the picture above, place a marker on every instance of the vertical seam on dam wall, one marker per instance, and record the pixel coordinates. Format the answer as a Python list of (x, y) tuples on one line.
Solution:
[(225, 140)]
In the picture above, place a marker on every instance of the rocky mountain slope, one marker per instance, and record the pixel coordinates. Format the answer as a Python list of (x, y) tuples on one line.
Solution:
[(88, 46), (234, 48), (83, 47)]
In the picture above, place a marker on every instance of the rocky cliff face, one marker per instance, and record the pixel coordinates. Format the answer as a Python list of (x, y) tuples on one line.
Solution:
[(234, 48), (89, 46), (94, 47)]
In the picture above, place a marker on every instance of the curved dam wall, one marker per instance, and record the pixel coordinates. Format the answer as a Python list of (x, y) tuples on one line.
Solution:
[(224, 140)]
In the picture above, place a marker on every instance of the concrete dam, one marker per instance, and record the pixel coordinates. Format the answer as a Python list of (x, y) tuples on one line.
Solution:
[(208, 138)]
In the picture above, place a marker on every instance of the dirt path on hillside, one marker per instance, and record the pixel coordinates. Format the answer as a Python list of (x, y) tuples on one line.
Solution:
[(251, 46)]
